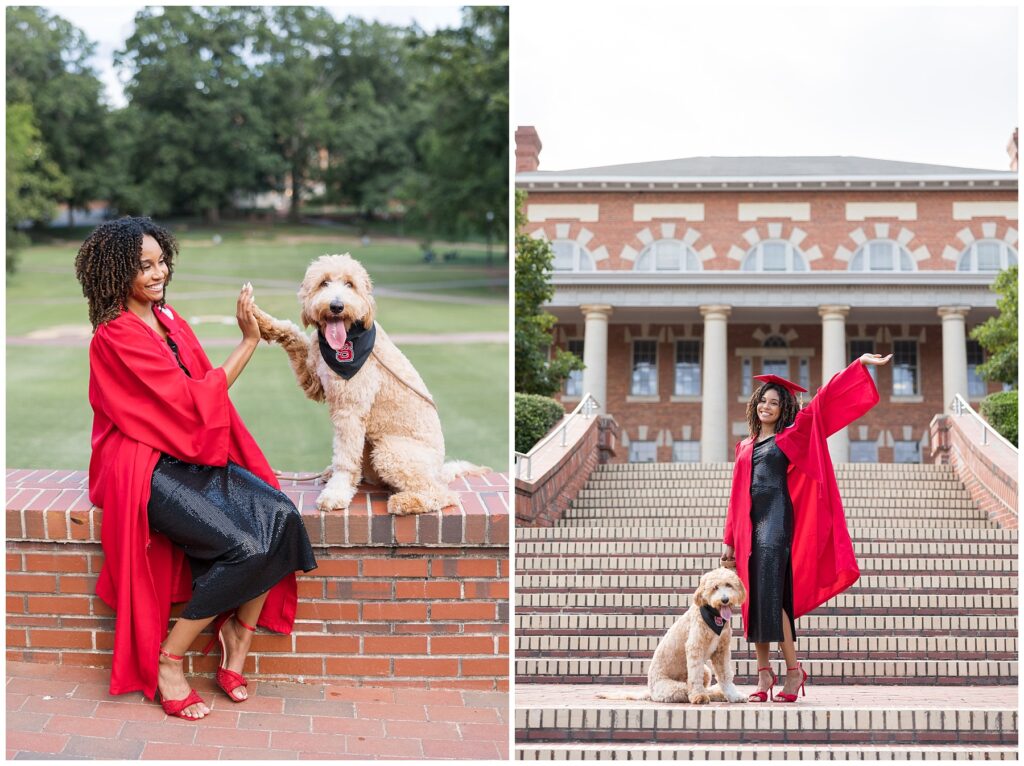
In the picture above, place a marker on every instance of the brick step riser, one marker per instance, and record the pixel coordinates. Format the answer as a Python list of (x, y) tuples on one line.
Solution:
[(805, 654), (799, 736), (636, 679), (850, 612), (1008, 568), (761, 752), (528, 624), (851, 523), (818, 632), (671, 534), (884, 551)]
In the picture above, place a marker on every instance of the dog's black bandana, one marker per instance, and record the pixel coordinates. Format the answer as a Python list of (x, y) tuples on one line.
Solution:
[(358, 345), (713, 619)]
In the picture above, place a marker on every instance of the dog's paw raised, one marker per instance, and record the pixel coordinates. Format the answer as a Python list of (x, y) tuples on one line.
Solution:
[(700, 699)]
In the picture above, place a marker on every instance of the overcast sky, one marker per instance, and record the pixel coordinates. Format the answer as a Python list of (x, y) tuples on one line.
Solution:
[(109, 25), (602, 87)]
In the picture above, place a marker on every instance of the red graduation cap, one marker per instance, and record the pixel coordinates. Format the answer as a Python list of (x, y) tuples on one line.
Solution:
[(789, 385)]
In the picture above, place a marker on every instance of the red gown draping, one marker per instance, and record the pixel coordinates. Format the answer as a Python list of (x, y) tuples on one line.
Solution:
[(822, 559), (144, 405)]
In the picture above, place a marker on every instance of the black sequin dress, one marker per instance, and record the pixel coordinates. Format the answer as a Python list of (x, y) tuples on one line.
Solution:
[(241, 535), (771, 519)]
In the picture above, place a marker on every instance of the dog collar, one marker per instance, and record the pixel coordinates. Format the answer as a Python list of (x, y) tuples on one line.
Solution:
[(350, 358), (712, 619)]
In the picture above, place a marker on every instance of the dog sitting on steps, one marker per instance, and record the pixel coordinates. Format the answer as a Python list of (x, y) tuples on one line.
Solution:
[(679, 670)]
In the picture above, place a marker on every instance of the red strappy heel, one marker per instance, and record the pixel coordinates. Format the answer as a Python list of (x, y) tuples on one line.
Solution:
[(786, 696), (764, 696), (228, 680), (175, 707)]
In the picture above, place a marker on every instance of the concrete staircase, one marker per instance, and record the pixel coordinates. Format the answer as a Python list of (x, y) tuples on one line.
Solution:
[(917, 660)]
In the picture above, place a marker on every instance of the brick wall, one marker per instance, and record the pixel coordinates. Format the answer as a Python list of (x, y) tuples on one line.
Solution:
[(988, 471), (409, 601), (541, 502)]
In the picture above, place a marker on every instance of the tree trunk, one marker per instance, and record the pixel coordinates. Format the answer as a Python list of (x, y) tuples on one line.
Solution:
[(212, 214), (71, 215), (295, 210)]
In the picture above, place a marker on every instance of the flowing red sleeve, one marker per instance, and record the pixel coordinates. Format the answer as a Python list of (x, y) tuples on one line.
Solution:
[(148, 398), (848, 395), (730, 515)]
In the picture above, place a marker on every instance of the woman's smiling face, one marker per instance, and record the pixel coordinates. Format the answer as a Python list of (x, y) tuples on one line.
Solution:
[(769, 407), (148, 285)]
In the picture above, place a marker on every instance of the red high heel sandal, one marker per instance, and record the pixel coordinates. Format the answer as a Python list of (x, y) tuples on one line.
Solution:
[(176, 707), (764, 696), (228, 680), (786, 696)]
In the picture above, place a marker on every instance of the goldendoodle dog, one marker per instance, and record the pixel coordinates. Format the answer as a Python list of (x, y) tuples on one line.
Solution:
[(679, 670), (385, 423)]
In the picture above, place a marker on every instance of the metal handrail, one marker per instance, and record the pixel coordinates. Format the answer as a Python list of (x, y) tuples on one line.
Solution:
[(586, 408), (960, 405)]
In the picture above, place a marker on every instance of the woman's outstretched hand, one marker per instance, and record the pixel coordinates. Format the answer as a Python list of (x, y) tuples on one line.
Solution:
[(246, 317), (876, 359)]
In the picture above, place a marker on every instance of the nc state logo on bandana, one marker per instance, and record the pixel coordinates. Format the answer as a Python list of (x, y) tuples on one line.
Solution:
[(345, 354)]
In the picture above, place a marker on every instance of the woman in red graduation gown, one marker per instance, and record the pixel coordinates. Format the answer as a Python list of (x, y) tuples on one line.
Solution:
[(191, 509), (785, 523)]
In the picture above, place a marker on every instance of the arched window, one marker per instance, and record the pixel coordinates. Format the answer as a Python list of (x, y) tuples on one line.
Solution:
[(774, 255), (667, 255), (882, 255), (571, 256), (987, 255)]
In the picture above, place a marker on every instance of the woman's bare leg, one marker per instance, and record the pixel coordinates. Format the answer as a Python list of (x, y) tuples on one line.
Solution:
[(788, 647), (171, 679), (238, 639), (764, 678)]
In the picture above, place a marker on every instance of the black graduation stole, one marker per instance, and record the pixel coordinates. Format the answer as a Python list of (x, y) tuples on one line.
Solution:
[(350, 358), (712, 619)]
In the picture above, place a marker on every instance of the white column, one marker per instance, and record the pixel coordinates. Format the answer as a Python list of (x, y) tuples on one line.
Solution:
[(833, 360), (714, 403), (954, 353), (595, 353)]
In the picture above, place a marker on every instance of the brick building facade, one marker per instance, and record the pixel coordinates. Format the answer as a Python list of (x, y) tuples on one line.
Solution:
[(677, 281)]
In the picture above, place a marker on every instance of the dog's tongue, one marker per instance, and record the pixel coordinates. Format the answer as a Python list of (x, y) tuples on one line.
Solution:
[(726, 613), (335, 334)]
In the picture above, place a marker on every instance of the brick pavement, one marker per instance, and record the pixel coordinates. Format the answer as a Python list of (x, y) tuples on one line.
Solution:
[(65, 711)]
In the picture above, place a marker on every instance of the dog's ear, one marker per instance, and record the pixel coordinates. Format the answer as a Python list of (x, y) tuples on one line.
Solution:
[(366, 288), (305, 290), (698, 595)]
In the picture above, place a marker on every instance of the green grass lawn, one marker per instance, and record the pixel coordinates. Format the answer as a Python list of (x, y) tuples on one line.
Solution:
[(48, 414)]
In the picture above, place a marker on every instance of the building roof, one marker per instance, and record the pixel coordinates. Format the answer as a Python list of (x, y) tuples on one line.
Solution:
[(721, 173)]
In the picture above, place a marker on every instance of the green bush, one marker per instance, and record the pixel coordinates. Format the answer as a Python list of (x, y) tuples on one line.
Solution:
[(1000, 410), (535, 415)]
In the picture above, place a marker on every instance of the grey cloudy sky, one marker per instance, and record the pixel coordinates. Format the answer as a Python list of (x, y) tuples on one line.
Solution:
[(110, 25), (630, 84)]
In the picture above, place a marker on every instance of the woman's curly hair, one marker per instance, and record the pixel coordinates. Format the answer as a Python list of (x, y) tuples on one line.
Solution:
[(788, 408), (109, 260)]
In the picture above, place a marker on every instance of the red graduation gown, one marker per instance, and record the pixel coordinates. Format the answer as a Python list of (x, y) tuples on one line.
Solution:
[(822, 554), (143, 405)]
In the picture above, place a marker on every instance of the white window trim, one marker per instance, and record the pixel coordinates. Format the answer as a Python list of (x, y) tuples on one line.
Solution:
[(971, 251), (900, 250), (577, 249), (687, 252), (792, 252), (566, 397), (700, 370), (644, 398), (908, 398)]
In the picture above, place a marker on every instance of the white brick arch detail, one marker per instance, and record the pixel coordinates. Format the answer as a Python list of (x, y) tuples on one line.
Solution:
[(975, 231), (774, 231), (582, 238), (688, 235), (860, 236)]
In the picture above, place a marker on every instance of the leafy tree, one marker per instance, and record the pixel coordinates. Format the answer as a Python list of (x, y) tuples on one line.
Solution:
[(200, 137), (535, 374), (463, 175), (47, 67), (34, 181), (998, 334)]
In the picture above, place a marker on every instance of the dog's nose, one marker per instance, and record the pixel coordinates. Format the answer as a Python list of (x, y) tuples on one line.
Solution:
[(337, 307), (725, 599)]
